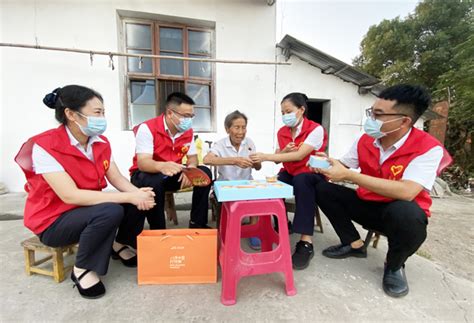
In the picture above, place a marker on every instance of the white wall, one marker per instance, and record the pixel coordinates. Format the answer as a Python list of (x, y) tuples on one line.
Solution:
[(245, 29), (347, 107)]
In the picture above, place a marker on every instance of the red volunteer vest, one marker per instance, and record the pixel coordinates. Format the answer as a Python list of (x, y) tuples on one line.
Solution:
[(284, 138), (417, 143), (43, 206), (163, 147)]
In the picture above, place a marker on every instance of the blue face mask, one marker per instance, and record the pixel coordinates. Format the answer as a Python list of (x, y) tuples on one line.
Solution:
[(289, 119), (373, 127), (184, 123), (95, 125)]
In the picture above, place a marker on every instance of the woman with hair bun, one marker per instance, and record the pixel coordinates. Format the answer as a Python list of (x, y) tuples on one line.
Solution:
[(66, 169), (298, 139)]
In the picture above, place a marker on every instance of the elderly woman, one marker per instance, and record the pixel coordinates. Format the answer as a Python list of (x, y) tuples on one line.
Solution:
[(231, 156)]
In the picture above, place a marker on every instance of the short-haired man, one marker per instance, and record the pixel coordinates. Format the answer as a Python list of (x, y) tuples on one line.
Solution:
[(398, 166), (161, 144)]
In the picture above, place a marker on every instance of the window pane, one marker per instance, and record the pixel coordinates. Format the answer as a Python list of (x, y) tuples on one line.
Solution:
[(199, 69), (133, 63), (166, 88), (199, 42), (202, 121), (199, 93), (138, 36), (171, 39), (171, 66), (143, 101)]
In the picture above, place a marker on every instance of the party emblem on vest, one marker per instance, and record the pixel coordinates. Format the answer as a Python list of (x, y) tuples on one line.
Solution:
[(106, 164), (185, 149), (396, 169)]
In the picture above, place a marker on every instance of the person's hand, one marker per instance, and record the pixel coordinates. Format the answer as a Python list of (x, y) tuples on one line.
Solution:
[(185, 182), (143, 198), (147, 189), (243, 162), (289, 148), (258, 157), (171, 168), (336, 173)]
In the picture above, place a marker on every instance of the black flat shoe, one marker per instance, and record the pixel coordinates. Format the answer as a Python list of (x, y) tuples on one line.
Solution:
[(302, 256), (343, 251), (395, 282), (95, 291), (131, 262)]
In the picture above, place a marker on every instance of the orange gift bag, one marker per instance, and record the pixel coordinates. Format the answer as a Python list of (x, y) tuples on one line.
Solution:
[(179, 256)]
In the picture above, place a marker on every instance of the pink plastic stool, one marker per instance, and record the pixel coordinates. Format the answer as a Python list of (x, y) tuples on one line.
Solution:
[(236, 263)]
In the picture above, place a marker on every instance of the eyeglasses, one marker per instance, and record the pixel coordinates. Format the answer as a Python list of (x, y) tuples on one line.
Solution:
[(373, 115), (183, 115)]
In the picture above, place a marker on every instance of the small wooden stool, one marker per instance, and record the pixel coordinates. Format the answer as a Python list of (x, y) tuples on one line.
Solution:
[(170, 206), (372, 234), (32, 245)]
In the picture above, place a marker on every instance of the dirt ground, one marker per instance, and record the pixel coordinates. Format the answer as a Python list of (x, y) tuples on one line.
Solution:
[(450, 241)]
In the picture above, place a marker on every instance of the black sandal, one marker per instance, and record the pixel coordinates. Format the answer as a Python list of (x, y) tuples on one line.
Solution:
[(131, 262), (95, 291)]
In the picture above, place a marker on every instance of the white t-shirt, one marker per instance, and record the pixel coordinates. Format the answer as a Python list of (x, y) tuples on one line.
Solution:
[(44, 163), (144, 140), (315, 138), (224, 148), (421, 169)]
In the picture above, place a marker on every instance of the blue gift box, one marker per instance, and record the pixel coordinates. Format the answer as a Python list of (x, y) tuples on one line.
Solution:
[(316, 162), (251, 190)]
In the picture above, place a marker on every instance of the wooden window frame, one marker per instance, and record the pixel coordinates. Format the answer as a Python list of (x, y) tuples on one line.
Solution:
[(155, 26)]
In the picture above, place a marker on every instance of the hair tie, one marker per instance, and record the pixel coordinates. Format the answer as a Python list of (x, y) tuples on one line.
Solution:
[(50, 99)]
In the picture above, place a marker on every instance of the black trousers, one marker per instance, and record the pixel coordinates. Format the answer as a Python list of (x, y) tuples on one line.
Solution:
[(403, 222), (135, 219), (304, 187), (93, 227)]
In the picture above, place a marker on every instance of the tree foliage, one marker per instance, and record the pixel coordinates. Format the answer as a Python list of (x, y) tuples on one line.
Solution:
[(433, 47)]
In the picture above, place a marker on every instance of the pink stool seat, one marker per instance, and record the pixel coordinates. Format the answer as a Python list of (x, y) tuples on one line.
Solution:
[(236, 263)]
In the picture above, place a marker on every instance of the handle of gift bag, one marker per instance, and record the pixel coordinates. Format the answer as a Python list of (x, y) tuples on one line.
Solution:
[(166, 236)]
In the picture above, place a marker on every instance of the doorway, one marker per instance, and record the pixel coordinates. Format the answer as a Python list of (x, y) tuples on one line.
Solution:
[(319, 110)]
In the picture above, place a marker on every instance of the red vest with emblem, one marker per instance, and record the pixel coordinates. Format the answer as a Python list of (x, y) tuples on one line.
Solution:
[(43, 206), (417, 143), (163, 147), (284, 138)]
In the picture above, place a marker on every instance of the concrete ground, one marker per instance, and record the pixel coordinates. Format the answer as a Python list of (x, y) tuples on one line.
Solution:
[(328, 290)]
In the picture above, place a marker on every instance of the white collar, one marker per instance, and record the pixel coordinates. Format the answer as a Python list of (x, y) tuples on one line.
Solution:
[(298, 128), (396, 145), (75, 142), (228, 143)]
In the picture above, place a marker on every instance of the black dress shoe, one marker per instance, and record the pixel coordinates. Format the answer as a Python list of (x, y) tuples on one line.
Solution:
[(95, 291), (395, 282), (302, 256), (131, 262), (194, 225), (343, 251)]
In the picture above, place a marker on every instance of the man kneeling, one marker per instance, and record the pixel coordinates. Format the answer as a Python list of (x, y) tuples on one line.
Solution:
[(398, 166)]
